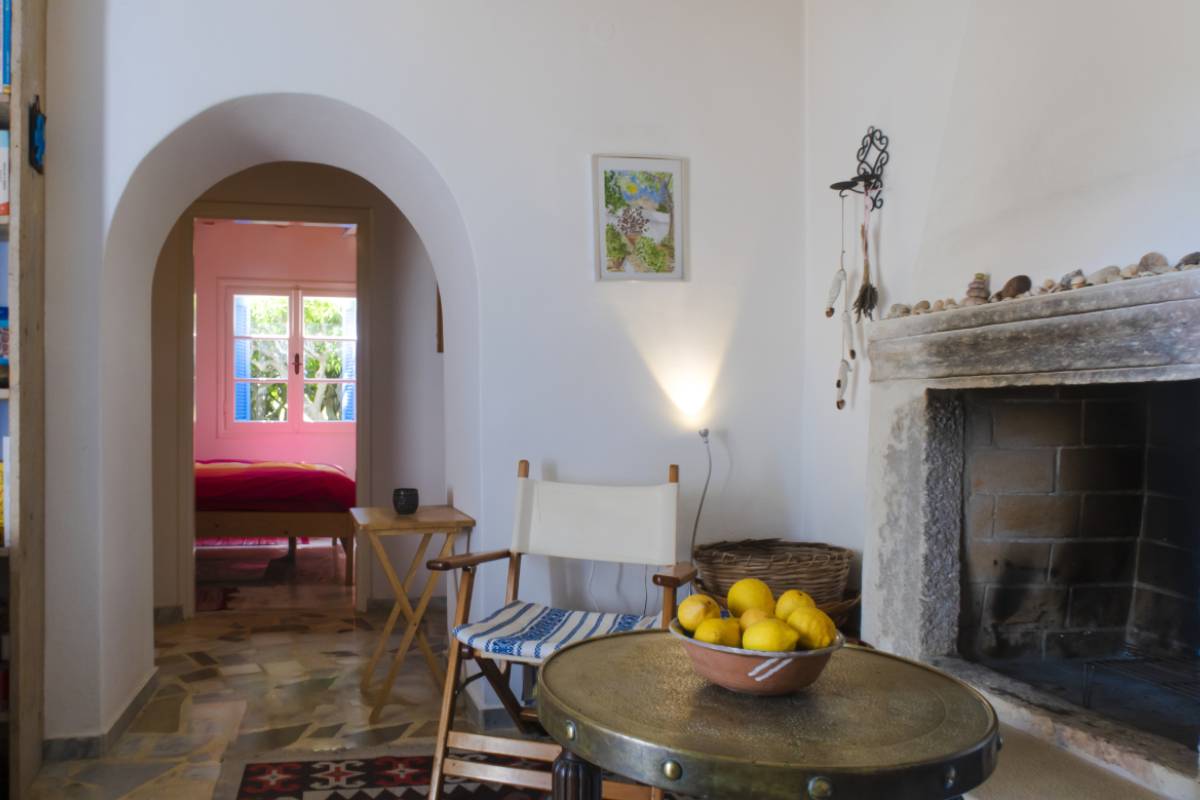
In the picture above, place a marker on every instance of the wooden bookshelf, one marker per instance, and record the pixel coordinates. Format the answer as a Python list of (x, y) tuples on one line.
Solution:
[(24, 472)]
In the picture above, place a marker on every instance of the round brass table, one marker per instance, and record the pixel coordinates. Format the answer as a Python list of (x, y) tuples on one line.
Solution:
[(872, 726)]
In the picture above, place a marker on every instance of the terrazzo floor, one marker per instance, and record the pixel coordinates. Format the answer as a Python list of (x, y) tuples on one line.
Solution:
[(244, 682)]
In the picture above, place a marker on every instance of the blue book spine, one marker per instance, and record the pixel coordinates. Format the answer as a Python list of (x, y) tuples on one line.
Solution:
[(7, 70)]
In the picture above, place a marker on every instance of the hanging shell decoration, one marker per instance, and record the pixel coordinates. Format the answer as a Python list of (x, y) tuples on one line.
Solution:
[(843, 380), (835, 289), (848, 335), (872, 157)]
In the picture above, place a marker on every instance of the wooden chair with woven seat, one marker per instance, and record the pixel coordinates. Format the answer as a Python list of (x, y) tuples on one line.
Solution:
[(625, 524)]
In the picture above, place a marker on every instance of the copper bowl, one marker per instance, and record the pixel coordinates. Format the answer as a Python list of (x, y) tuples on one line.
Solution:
[(755, 671)]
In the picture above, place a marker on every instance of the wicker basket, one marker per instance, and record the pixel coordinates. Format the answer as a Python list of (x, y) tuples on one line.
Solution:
[(820, 570)]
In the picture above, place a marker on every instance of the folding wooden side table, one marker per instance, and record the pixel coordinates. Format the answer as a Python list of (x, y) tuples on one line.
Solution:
[(426, 522)]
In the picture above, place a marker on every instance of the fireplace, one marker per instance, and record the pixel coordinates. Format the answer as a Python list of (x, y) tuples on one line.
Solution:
[(1034, 513), (1080, 547)]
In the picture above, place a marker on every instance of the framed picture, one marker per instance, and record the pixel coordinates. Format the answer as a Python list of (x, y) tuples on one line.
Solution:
[(641, 206)]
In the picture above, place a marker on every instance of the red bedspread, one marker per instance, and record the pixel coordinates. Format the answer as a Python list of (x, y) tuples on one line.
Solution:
[(271, 486)]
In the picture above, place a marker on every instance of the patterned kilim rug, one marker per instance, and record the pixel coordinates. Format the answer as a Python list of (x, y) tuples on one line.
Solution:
[(365, 775)]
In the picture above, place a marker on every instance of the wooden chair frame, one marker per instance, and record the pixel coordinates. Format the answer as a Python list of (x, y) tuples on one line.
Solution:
[(497, 676)]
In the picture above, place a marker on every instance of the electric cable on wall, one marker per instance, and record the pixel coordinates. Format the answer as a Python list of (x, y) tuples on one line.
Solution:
[(700, 507), (703, 492)]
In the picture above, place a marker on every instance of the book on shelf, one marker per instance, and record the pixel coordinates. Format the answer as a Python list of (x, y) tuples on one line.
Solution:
[(4, 199), (5, 342), (4, 504), (6, 70), (5, 658)]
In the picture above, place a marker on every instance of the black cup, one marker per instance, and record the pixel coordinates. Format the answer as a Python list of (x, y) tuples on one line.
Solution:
[(405, 501)]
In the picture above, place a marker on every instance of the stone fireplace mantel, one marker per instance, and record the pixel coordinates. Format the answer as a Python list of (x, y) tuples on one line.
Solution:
[(1118, 332)]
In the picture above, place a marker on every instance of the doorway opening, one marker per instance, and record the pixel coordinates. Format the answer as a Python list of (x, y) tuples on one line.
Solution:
[(275, 342), (388, 388)]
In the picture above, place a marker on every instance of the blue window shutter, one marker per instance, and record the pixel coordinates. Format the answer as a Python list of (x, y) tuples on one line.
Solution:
[(241, 402), (241, 363), (350, 359), (241, 358)]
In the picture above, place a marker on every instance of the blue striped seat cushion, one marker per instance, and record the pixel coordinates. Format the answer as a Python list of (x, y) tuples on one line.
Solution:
[(533, 631)]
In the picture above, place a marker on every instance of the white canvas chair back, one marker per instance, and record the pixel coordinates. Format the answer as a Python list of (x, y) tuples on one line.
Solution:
[(627, 524)]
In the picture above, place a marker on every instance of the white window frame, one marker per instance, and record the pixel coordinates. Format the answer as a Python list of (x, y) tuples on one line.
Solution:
[(227, 426)]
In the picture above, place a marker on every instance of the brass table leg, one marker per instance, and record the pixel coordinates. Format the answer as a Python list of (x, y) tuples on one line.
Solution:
[(575, 779), (412, 630)]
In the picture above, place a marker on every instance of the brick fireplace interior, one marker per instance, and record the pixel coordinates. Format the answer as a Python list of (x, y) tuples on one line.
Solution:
[(1081, 546)]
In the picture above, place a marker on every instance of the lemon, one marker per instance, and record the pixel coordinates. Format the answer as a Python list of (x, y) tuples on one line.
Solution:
[(752, 616), (814, 627), (695, 609), (724, 632), (733, 632), (750, 593), (772, 635), (789, 601)]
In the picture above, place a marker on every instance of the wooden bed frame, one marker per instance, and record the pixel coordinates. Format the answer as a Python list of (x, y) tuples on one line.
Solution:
[(334, 525)]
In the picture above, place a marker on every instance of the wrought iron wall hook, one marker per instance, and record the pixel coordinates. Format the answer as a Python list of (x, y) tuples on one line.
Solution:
[(872, 157), (842, 187)]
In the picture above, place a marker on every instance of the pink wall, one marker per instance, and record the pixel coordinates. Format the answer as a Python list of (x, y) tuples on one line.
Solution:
[(226, 250)]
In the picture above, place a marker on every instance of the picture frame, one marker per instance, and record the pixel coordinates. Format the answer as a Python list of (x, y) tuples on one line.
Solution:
[(640, 213)]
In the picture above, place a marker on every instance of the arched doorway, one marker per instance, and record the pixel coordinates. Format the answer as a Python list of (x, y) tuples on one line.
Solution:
[(399, 399), (117, 658)]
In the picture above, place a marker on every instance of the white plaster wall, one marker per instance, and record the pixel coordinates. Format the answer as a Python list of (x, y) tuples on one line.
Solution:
[(407, 431), (507, 102), (1026, 137), (75, 579)]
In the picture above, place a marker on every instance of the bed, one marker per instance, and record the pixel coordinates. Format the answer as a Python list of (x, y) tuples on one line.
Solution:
[(251, 499)]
